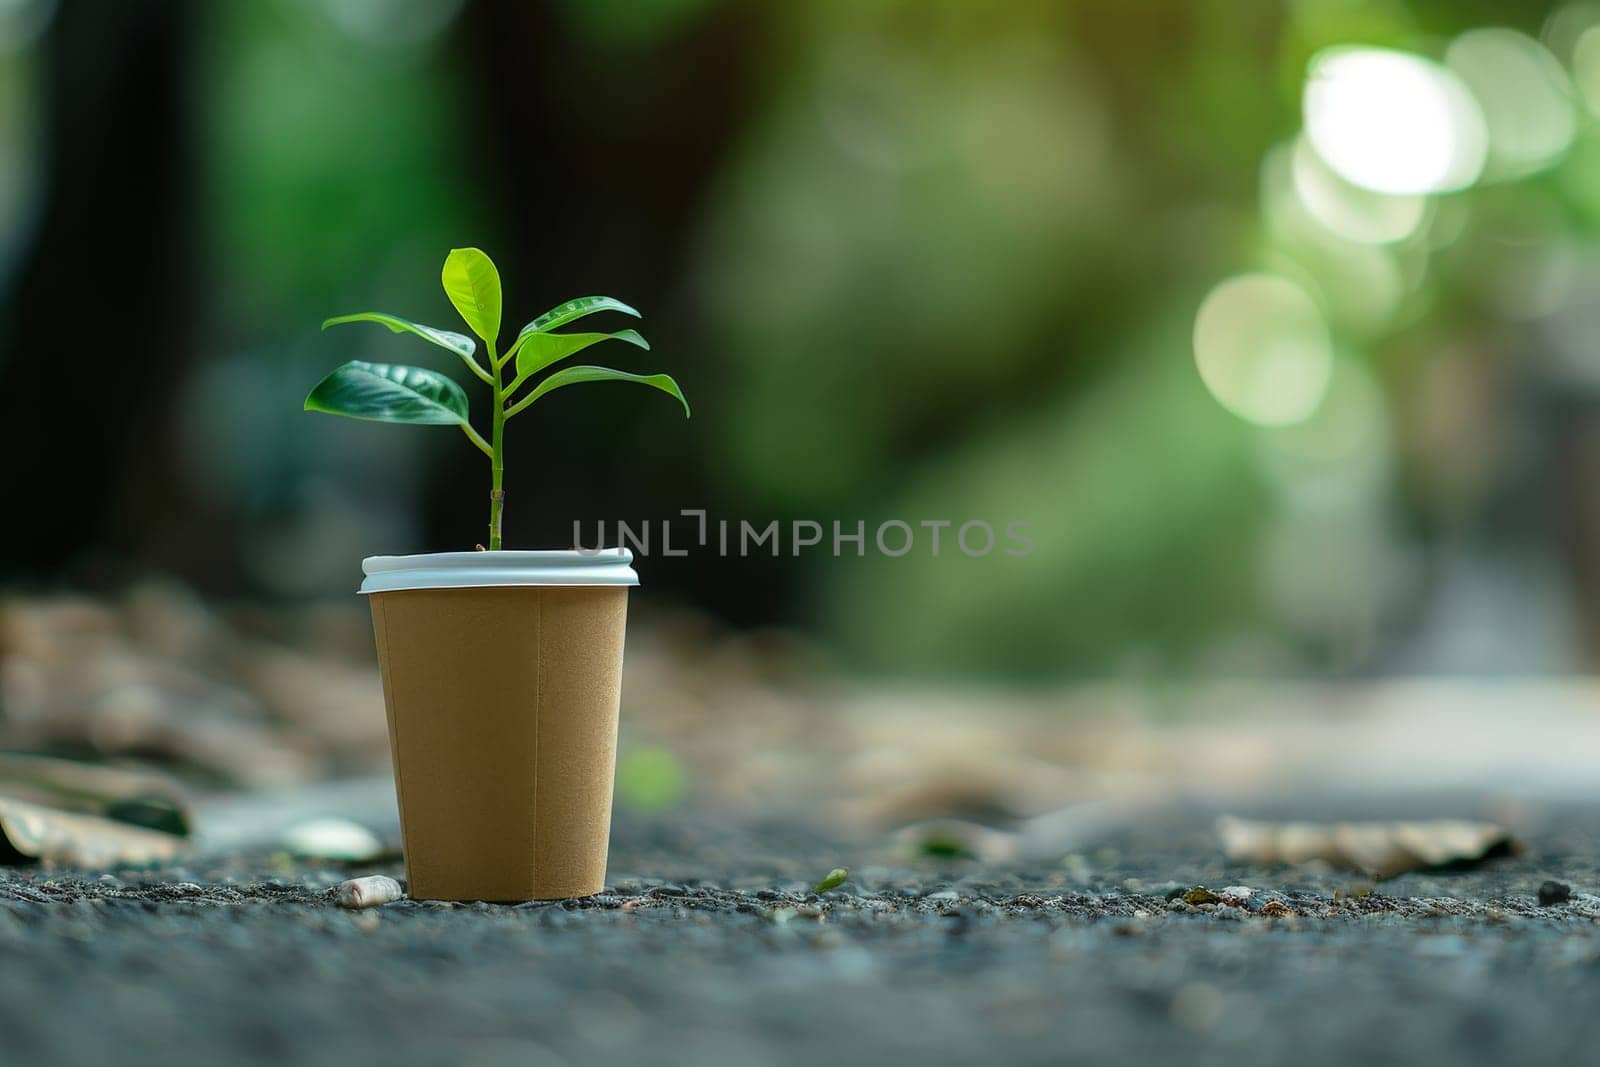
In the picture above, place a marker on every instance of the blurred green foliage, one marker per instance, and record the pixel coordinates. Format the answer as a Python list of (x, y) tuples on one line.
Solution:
[(943, 264), (650, 778)]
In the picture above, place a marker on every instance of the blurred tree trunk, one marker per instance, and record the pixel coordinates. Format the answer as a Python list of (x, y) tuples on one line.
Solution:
[(642, 127), (97, 319)]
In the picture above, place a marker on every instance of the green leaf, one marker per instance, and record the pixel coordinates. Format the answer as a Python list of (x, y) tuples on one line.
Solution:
[(388, 392), (536, 351), (578, 375), (460, 344), (575, 309), (836, 878), (473, 286)]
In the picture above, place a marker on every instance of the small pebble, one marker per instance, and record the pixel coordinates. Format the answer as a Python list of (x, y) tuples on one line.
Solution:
[(368, 892), (1276, 909), (1554, 893), (1235, 895), (943, 894), (1201, 895)]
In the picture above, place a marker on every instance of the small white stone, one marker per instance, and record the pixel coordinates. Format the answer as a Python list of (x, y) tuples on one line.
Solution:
[(368, 892), (1235, 894)]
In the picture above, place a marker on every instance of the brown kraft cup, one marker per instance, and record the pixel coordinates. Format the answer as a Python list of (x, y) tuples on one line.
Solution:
[(503, 704)]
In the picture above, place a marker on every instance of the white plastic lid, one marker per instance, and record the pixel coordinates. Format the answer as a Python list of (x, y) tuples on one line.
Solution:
[(463, 570)]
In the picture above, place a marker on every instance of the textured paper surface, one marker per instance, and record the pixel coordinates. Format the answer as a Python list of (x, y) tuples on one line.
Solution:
[(503, 723)]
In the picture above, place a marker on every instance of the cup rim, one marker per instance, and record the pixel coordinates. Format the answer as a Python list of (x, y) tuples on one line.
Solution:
[(470, 570)]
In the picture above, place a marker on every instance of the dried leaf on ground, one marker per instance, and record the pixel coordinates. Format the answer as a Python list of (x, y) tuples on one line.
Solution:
[(1047, 835), (1379, 849), (30, 832), (144, 798), (156, 673), (88, 815), (368, 892), (958, 838)]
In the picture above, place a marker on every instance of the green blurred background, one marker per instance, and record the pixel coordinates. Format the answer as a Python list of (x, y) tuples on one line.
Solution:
[(1287, 355)]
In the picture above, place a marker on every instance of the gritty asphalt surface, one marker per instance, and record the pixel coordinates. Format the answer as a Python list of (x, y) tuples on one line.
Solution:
[(708, 948)]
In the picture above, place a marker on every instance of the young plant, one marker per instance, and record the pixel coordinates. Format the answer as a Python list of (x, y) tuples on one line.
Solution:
[(392, 392)]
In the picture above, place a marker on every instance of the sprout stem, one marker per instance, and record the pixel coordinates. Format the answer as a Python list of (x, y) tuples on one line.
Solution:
[(482, 374), (497, 454), (477, 439), (519, 405)]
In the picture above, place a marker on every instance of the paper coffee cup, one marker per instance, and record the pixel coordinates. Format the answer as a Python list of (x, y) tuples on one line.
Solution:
[(502, 672)]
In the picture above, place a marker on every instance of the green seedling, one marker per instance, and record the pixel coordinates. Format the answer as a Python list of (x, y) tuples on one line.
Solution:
[(392, 392), (836, 878)]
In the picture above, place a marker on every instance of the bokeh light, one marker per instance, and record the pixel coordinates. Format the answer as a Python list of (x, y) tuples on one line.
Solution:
[(1393, 122), (1565, 25), (1586, 68), (1525, 95), (1360, 286), (1262, 348), (393, 23), (1350, 211), (1350, 429)]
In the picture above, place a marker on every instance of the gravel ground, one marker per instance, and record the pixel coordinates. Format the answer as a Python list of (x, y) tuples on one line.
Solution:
[(722, 956)]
